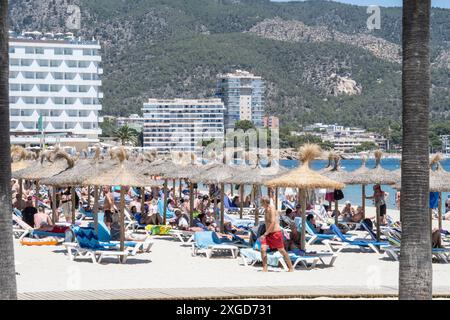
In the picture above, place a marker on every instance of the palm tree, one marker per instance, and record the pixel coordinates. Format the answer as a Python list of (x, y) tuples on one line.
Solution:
[(415, 279), (127, 135), (8, 288)]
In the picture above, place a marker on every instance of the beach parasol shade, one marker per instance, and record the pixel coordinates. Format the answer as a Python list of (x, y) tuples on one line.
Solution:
[(439, 178), (255, 175), (304, 177), (378, 174), (50, 164), (83, 169), (336, 173), (21, 158), (215, 173), (185, 169), (120, 172), (331, 156), (157, 167)]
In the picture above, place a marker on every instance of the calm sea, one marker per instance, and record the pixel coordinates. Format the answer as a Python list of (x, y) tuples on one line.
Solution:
[(353, 192)]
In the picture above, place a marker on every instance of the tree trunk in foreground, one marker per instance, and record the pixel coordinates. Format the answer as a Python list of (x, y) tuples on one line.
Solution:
[(415, 276), (8, 288)]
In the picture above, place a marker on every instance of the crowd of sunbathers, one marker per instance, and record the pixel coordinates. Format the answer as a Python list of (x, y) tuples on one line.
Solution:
[(36, 208)]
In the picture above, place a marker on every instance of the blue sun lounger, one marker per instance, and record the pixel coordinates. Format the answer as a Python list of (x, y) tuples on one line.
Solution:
[(251, 256), (346, 242), (104, 236), (208, 242), (89, 246)]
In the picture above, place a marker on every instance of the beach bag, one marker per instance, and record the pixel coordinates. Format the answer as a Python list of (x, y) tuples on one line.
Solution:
[(338, 195)]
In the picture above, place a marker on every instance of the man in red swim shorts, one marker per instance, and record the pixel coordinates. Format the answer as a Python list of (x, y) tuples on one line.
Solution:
[(273, 237)]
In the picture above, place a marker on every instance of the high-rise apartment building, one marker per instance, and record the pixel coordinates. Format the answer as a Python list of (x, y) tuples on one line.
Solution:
[(54, 88), (243, 96), (182, 124)]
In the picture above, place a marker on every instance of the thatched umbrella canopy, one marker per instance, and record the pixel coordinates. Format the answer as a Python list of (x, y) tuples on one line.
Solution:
[(119, 172), (336, 173), (21, 158), (303, 178), (216, 173), (439, 182), (49, 165), (122, 173), (331, 156), (82, 170), (376, 175), (156, 168), (254, 176)]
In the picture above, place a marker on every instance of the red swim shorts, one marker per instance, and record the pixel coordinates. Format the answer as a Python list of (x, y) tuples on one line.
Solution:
[(273, 240)]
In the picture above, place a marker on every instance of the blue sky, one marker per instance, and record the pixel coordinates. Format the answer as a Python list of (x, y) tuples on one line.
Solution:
[(385, 3)]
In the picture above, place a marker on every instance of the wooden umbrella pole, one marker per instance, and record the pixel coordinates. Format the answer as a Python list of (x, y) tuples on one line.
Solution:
[(378, 222), (54, 209), (222, 207), (440, 211), (96, 196), (276, 198), (191, 203), (37, 190), (142, 200), (89, 196), (73, 198), (122, 218), (174, 182), (303, 234), (180, 190), (215, 203), (232, 191), (165, 202), (256, 206), (21, 193), (363, 200), (336, 212), (241, 202)]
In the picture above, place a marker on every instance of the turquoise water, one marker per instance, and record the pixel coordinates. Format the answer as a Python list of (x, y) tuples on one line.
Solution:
[(353, 192)]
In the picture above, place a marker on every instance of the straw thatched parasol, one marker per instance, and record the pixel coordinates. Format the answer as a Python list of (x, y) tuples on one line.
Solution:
[(439, 182), (82, 170), (336, 173), (255, 176), (303, 178), (216, 173), (122, 173), (21, 158), (331, 156), (378, 175), (77, 175), (49, 165)]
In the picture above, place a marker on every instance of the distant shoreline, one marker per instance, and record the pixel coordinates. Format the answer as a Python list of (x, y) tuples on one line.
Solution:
[(292, 154)]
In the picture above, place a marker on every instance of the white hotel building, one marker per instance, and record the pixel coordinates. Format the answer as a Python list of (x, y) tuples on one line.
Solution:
[(182, 124), (58, 79)]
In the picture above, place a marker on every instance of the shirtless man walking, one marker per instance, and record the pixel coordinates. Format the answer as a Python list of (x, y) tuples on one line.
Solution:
[(108, 206), (273, 237)]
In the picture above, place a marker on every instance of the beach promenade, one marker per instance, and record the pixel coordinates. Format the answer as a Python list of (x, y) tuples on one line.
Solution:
[(170, 272)]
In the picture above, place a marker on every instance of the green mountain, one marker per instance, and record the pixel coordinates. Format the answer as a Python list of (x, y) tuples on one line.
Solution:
[(319, 60)]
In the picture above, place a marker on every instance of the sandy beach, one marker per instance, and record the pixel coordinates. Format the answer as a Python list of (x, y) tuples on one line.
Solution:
[(170, 265)]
